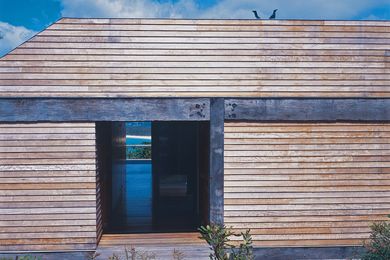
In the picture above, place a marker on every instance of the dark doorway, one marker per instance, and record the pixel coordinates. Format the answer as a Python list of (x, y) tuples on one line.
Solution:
[(158, 179), (175, 175)]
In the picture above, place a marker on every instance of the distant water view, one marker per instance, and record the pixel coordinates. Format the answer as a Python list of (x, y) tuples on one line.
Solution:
[(138, 179), (134, 139), (138, 197)]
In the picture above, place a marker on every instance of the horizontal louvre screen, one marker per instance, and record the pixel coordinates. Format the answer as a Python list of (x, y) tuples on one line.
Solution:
[(201, 58), (306, 184), (47, 187)]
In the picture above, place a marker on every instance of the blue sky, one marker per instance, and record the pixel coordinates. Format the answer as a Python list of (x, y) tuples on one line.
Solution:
[(21, 19)]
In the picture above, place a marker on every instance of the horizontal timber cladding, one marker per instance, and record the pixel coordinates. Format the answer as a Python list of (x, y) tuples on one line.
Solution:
[(201, 58), (47, 187), (306, 184)]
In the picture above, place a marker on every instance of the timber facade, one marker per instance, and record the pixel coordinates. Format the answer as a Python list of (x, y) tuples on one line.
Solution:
[(292, 119)]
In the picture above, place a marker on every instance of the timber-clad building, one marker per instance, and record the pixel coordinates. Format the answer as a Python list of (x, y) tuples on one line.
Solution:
[(112, 126)]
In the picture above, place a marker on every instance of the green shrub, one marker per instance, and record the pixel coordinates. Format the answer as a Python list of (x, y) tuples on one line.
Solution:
[(130, 253), (378, 245), (245, 250), (218, 238)]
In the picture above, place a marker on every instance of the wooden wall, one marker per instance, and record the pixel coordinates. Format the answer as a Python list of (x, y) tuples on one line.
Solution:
[(306, 184), (47, 186), (209, 58), (103, 173)]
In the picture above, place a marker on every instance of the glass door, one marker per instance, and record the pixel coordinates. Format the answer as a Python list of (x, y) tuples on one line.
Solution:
[(157, 171), (175, 174), (132, 177)]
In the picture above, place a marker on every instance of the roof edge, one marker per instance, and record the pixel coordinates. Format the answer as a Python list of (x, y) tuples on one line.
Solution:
[(56, 21), (218, 19)]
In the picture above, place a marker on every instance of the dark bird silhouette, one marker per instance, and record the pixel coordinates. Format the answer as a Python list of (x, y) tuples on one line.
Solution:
[(273, 16), (256, 15)]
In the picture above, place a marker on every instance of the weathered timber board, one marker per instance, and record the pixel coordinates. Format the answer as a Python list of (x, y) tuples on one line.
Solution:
[(305, 184), (47, 187), (308, 109), (58, 110), (201, 58)]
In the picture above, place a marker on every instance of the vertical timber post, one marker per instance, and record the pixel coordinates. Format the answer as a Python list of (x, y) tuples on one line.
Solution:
[(217, 116)]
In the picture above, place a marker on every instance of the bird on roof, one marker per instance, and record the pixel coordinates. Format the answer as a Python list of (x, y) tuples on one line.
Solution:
[(256, 15), (273, 16)]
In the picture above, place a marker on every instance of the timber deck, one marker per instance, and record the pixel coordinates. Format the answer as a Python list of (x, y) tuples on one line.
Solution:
[(160, 244)]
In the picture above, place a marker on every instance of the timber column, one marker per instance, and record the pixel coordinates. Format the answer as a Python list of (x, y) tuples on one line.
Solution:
[(217, 115)]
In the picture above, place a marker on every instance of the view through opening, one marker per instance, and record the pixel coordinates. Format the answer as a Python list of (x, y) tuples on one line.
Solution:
[(158, 179)]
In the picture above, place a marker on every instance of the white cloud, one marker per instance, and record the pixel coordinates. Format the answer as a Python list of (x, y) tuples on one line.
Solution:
[(293, 9), (372, 17), (128, 8), (12, 36), (226, 9)]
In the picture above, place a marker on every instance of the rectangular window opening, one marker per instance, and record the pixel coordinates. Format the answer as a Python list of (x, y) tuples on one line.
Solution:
[(154, 175)]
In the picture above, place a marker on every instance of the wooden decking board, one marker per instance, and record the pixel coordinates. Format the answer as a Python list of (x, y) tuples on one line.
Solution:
[(151, 238), (162, 244)]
